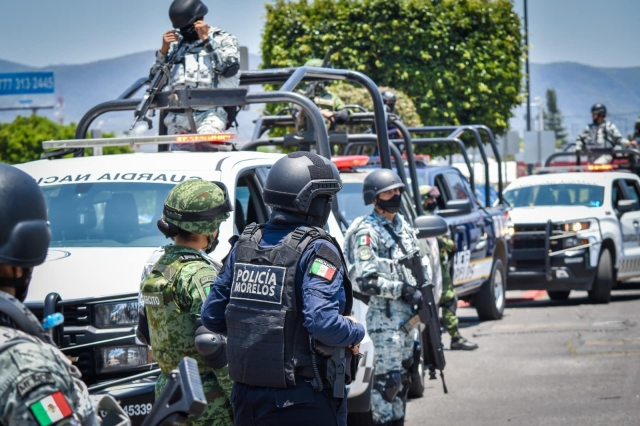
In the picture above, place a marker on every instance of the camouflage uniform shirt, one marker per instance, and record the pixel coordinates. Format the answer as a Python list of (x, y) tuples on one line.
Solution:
[(31, 371), (197, 71), (173, 294), (605, 135)]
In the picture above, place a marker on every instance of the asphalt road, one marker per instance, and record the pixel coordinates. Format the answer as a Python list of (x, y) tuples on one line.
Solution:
[(544, 363)]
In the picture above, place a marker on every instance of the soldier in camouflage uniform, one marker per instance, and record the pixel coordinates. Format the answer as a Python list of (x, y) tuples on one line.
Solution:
[(175, 289), (448, 300), (601, 134), (372, 256), (212, 60), (38, 383), (331, 106)]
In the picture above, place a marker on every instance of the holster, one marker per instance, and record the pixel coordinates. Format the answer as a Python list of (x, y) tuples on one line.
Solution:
[(338, 361)]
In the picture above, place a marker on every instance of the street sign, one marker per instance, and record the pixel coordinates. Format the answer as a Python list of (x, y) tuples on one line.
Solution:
[(27, 90)]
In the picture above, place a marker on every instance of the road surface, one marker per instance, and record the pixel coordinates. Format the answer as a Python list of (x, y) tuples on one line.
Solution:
[(544, 363)]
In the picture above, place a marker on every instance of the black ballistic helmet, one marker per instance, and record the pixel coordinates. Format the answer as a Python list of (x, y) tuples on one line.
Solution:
[(185, 12), (24, 229), (599, 109), (389, 96), (378, 182), (303, 183)]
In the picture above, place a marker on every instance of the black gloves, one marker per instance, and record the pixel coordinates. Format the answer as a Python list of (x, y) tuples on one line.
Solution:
[(412, 296)]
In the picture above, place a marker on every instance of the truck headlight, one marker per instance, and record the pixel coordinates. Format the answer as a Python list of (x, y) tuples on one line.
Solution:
[(576, 226), (575, 242), (120, 314), (113, 358)]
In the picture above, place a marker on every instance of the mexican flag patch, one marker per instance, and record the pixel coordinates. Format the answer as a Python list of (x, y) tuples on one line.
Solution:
[(323, 269), (51, 409), (364, 240)]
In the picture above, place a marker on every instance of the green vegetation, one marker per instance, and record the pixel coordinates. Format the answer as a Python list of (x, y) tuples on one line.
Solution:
[(553, 118), (457, 60), (21, 140)]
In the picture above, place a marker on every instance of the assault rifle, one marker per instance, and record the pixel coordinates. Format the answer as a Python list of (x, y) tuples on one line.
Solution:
[(158, 81), (411, 263), (428, 315), (312, 87)]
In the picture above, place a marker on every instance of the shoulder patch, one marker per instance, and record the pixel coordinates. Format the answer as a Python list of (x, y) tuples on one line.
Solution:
[(363, 240), (33, 381), (323, 269), (365, 253), (326, 253), (207, 279), (51, 409)]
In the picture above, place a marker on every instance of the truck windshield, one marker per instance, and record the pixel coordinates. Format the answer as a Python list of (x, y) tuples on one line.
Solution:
[(111, 214), (567, 194), (351, 203)]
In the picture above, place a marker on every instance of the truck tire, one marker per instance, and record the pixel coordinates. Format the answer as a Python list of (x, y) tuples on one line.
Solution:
[(559, 294), (416, 390), (601, 290), (491, 299)]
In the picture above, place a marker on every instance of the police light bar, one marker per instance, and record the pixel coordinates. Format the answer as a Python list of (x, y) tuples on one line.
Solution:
[(216, 138), (347, 162), (599, 167)]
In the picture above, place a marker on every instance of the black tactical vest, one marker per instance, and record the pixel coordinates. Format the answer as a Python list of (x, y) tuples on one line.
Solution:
[(266, 339)]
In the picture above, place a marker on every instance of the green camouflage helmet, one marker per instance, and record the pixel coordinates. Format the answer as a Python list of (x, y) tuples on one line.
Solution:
[(197, 206)]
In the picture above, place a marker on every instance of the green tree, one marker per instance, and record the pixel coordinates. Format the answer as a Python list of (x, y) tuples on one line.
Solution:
[(553, 118), (458, 60), (21, 140)]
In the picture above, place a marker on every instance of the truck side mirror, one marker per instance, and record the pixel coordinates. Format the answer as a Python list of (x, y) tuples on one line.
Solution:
[(430, 226), (456, 208), (626, 206)]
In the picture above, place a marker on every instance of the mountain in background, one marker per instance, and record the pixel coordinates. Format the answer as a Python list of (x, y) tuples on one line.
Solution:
[(83, 86), (577, 86)]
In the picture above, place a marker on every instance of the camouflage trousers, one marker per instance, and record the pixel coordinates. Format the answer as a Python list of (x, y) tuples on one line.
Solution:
[(392, 346), (218, 411), (207, 122), (449, 302)]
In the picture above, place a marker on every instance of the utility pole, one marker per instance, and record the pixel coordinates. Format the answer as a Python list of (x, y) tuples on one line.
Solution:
[(528, 83)]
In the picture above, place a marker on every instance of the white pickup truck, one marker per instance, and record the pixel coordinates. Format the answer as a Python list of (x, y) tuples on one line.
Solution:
[(574, 231), (103, 212)]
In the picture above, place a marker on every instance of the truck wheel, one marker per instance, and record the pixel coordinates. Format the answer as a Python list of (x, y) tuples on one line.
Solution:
[(602, 285), (360, 419), (416, 390), (558, 295), (490, 300)]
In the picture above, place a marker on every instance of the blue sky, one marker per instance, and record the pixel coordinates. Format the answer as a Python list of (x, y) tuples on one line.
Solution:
[(46, 32)]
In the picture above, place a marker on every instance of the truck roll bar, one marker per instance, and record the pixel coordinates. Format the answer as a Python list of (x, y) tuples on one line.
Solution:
[(474, 129), (291, 77), (187, 99)]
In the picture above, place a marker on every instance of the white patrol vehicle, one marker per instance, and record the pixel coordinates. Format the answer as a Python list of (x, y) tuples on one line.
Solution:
[(103, 212), (574, 231)]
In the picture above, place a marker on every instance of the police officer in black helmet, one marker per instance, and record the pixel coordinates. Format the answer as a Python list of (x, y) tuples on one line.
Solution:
[(33, 373), (283, 300)]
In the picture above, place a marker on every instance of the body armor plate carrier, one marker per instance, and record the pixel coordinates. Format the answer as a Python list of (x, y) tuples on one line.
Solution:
[(267, 341)]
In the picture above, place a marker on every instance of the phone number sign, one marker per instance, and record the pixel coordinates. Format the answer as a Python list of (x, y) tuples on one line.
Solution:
[(27, 89), (26, 83)]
